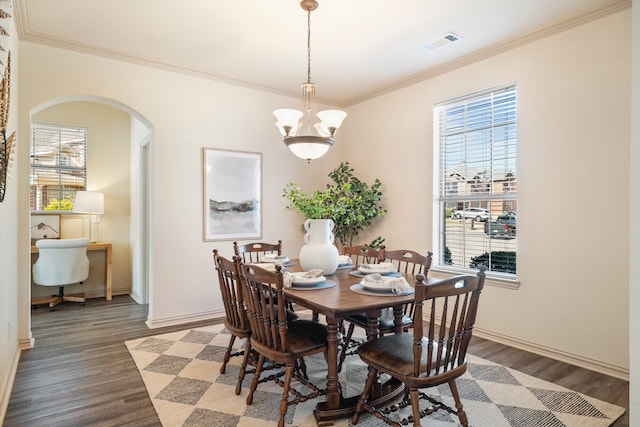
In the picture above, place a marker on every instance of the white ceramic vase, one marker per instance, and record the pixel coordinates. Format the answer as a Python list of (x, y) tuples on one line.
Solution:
[(318, 250)]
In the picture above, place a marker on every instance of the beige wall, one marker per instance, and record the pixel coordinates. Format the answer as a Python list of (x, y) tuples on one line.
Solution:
[(108, 171), (573, 183), (186, 114)]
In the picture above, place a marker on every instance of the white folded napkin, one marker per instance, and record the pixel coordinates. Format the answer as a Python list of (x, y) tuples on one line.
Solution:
[(383, 266), (287, 279), (345, 260), (274, 258), (313, 273), (398, 285)]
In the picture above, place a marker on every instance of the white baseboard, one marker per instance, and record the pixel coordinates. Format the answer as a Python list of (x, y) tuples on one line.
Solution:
[(573, 359), (7, 385), (99, 293), (26, 344), (180, 320)]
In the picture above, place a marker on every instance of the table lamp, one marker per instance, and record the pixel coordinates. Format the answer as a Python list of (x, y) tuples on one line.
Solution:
[(92, 203)]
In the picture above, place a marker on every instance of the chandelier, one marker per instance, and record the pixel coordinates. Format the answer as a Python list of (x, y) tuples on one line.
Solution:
[(307, 133)]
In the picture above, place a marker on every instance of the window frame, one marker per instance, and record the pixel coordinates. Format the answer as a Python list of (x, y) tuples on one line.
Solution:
[(472, 190)]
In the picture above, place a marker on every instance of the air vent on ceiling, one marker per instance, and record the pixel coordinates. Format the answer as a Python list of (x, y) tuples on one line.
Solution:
[(443, 40)]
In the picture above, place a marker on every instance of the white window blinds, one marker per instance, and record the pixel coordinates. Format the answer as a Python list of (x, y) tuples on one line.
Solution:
[(58, 165), (476, 175)]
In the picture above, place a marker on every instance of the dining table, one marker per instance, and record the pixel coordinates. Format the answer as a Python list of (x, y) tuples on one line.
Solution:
[(335, 302)]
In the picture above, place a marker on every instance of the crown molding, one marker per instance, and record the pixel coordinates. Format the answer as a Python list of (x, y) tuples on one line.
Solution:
[(25, 34)]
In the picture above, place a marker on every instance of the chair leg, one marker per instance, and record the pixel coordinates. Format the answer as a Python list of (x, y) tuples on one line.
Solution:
[(256, 377), (415, 406), (227, 354), (371, 376), (284, 402), (72, 298), (243, 368), (462, 416), (301, 367), (345, 346)]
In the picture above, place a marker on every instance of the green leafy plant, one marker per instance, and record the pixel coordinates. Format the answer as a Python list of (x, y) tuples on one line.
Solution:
[(351, 203), (65, 204)]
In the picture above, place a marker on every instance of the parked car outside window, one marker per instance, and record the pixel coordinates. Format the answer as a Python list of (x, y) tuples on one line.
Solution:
[(478, 214), (503, 226)]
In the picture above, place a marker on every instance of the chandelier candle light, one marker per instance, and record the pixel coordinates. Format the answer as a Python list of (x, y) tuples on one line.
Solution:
[(307, 133)]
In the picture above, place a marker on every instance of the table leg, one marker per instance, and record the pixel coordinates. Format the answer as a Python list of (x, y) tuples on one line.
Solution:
[(333, 385), (109, 274), (398, 313), (336, 405)]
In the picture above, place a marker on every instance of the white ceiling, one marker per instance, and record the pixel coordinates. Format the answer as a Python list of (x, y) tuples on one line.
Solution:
[(359, 48)]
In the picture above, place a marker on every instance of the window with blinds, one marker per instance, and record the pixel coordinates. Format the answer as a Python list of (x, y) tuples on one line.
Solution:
[(476, 176), (58, 165)]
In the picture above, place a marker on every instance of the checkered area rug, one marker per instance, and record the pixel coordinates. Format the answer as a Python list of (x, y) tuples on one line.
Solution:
[(181, 371)]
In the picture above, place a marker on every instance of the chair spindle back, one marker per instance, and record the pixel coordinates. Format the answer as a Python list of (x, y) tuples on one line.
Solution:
[(231, 290), (264, 298), (450, 307), (253, 252)]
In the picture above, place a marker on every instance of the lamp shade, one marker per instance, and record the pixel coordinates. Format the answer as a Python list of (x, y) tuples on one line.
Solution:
[(89, 202), (288, 120), (331, 119)]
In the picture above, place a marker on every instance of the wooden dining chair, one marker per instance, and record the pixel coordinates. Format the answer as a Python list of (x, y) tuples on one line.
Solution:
[(421, 361), (362, 254), (278, 340), (359, 254), (236, 321), (253, 252), (407, 262)]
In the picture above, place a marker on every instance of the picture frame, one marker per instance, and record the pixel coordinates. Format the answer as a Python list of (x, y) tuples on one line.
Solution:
[(231, 194), (45, 227)]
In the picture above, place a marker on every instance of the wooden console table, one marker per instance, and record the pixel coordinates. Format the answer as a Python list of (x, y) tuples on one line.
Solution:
[(98, 246)]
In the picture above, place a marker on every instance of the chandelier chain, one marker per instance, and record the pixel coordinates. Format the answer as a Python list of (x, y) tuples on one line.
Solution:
[(309, 46)]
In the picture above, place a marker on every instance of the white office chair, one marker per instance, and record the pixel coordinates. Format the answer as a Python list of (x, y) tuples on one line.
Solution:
[(60, 262)]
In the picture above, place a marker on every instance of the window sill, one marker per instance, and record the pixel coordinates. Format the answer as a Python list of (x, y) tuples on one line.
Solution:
[(492, 279)]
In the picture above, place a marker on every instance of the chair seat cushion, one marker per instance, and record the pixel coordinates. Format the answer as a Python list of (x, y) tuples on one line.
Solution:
[(306, 335), (292, 316), (394, 354)]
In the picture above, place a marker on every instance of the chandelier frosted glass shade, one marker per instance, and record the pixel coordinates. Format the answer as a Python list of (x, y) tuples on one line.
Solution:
[(308, 147), (319, 134), (308, 134), (330, 120)]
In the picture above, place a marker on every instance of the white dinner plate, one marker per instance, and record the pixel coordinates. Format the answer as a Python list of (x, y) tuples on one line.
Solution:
[(299, 279), (381, 286), (367, 270)]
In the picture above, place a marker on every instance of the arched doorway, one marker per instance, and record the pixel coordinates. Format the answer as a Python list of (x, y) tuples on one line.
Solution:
[(126, 177)]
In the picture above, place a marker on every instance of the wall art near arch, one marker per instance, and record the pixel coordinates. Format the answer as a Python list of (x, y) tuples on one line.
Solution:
[(7, 145), (232, 194)]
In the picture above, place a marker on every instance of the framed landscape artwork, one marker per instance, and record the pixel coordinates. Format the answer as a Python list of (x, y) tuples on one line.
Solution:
[(232, 194)]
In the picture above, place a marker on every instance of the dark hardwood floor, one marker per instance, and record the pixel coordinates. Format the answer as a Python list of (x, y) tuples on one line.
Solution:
[(80, 373)]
